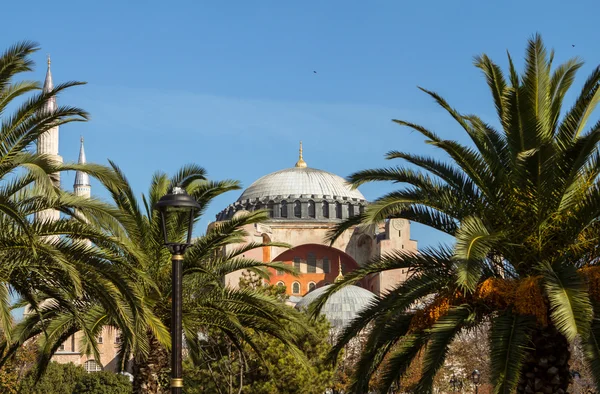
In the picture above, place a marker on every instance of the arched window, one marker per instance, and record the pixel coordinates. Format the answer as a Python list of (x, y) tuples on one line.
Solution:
[(297, 263), (325, 209), (326, 267), (230, 213), (350, 210), (311, 286), (296, 288), (297, 209), (258, 206), (280, 283), (311, 263), (270, 206), (311, 209), (248, 207), (338, 210), (361, 209), (284, 209), (92, 366)]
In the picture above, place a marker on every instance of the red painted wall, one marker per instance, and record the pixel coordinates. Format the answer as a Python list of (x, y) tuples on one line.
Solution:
[(320, 279)]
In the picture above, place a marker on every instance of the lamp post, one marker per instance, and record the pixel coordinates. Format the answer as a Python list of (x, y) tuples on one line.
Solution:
[(475, 377), (178, 203)]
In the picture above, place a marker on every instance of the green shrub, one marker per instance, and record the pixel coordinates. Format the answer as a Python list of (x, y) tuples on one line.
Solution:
[(103, 383), (59, 378), (72, 379)]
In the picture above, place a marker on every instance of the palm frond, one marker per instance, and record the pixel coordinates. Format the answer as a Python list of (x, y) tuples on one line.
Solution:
[(509, 341)]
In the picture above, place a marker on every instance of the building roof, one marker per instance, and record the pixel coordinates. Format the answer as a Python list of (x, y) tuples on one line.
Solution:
[(309, 191), (342, 307), (299, 181)]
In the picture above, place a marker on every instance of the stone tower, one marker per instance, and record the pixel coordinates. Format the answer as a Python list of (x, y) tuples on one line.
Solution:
[(47, 144), (82, 186)]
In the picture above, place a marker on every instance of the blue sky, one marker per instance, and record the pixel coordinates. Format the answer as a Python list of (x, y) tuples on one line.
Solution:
[(231, 85)]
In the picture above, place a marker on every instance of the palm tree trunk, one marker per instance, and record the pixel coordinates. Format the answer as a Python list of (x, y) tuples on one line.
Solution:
[(546, 368), (148, 374)]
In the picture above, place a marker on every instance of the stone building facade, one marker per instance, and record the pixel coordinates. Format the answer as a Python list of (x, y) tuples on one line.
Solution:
[(304, 204)]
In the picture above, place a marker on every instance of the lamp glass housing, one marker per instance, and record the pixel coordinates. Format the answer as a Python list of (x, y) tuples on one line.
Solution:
[(177, 202)]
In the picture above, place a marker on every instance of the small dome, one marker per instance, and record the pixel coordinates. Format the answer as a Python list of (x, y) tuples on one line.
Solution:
[(298, 181), (342, 307)]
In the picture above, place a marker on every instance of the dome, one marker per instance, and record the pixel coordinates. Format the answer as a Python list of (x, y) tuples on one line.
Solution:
[(299, 181), (299, 194), (342, 307)]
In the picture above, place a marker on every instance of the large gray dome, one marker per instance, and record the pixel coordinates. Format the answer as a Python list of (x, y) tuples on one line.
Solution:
[(299, 181), (342, 307), (300, 194)]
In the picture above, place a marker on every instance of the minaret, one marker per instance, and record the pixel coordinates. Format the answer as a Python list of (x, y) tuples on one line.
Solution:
[(82, 186), (47, 144), (301, 163)]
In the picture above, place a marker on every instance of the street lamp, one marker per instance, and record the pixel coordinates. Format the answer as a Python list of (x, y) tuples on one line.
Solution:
[(475, 377), (177, 202)]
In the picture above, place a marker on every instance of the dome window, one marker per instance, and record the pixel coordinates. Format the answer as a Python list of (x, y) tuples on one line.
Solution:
[(284, 209), (338, 210), (297, 209), (311, 209), (325, 209), (270, 206)]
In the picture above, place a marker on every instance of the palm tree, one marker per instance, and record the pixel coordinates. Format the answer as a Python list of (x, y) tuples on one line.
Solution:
[(522, 203), (209, 305), (66, 265)]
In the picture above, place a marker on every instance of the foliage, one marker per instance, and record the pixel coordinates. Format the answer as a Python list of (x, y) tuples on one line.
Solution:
[(70, 378), (270, 367), (61, 270), (522, 203), (208, 303), (58, 378), (103, 383), (15, 370)]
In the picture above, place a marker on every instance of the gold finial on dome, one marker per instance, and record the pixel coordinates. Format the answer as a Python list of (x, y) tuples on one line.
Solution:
[(301, 163), (340, 275)]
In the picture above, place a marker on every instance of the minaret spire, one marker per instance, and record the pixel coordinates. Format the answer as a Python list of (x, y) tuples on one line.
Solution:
[(48, 86), (301, 163), (81, 186), (340, 274), (47, 144)]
